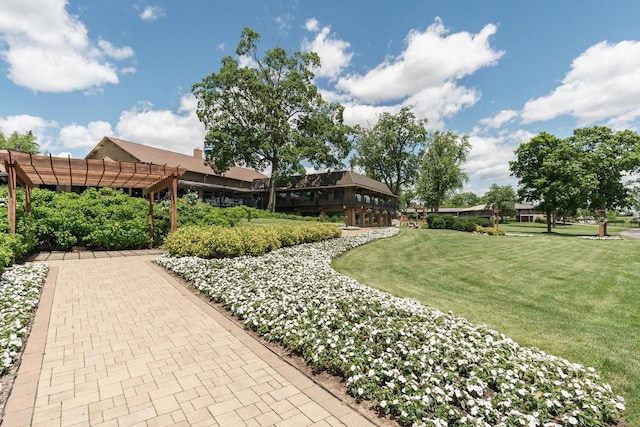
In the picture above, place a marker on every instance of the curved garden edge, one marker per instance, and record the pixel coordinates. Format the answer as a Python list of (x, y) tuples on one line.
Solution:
[(379, 373)]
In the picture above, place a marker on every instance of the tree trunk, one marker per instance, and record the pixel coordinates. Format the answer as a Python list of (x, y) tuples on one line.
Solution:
[(272, 186), (548, 221)]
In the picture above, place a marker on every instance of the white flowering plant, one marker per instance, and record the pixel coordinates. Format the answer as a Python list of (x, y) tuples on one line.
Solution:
[(19, 295), (414, 363), (601, 238)]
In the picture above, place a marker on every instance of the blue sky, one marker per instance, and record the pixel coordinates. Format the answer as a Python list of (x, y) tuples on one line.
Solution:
[(497, 71)]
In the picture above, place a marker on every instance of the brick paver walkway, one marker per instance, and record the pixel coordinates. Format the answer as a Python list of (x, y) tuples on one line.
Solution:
[(118, 342)]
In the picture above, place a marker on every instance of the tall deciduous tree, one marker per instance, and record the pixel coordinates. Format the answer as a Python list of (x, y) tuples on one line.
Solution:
[(269, 114), (607, 157), (549, 174), (441, 172), (502, 198), (390, 151), (25, 142)]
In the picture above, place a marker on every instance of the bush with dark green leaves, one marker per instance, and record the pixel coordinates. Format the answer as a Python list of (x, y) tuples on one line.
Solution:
[(436, 221), (450, 222), (99, 219)]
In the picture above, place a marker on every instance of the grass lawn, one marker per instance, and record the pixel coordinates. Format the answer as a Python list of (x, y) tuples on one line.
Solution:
[(574, 298)]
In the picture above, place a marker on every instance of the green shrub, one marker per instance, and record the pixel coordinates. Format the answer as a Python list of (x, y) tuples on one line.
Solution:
[(464, 224), (220, 242), (541, 220), (435, 221), (483, 222), (448, 221)]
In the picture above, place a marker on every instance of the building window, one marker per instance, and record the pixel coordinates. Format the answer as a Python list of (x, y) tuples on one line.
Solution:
[(282, 196), (367, 198), (295, 195), (308, 196), (338, 195), (323, 195), (358, 197)]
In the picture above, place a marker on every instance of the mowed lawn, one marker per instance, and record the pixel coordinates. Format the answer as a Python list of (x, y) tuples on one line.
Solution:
[(574, 298)]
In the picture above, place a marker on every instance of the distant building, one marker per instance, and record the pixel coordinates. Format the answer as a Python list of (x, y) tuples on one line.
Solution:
[(523, 212), (364, 201)]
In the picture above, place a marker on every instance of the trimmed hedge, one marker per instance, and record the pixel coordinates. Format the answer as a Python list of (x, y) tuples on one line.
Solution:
[(220, 242), (450, 222)]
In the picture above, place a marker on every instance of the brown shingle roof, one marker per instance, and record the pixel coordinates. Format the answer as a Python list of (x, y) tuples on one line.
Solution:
[(338, 179), (158, 156)]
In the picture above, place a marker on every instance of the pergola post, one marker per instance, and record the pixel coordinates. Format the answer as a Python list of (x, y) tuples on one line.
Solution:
[(151, 197), (11, 203), (27, 206), (174, 203)]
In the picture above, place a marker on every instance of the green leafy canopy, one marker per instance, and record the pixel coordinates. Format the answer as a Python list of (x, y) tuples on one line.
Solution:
[(265, 112), (390, 151)]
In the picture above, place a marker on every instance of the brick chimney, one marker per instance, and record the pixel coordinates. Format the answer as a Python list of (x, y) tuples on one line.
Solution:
[(198, 153)]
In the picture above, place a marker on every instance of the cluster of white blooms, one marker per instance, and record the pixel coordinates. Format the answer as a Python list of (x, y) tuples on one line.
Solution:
[(19, 295), (601, 238), (518, 235), (415, 363)]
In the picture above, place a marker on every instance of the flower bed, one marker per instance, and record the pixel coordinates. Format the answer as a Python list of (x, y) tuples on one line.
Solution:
[(601, 238), (413, 362), (19, 295)]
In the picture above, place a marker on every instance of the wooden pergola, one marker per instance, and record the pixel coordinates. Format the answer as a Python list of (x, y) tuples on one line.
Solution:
[(28, 170)]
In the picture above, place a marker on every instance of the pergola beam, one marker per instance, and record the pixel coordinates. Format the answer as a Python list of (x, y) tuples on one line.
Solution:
[(28, 170)]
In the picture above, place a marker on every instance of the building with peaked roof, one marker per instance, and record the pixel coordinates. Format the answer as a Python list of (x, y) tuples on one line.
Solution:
[(230, 188), (362, 200), (523, 212)]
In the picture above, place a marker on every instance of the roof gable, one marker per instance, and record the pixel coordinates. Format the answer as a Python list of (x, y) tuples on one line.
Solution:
[(337, 179), (159, 156)]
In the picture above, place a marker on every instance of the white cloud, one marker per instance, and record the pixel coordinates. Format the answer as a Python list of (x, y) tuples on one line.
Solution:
[(151, 13), (434, 103), (334, 57), (499, 119), (430, 59), (80, 137), (127, 70), (490, 155), (312, 25), (23, 123), (284, 21), (48, 50), (115, 52), (177, 131), (603, 83), (366, 115)]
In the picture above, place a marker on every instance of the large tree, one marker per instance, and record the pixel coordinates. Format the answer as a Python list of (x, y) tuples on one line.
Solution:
[(502, 198), (549, 174), (25, 142), (441, 172), (390, 150), (607, 157), (269, 114)]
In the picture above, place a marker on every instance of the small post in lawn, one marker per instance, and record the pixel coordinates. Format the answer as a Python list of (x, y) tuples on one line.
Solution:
[(496, 218)]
